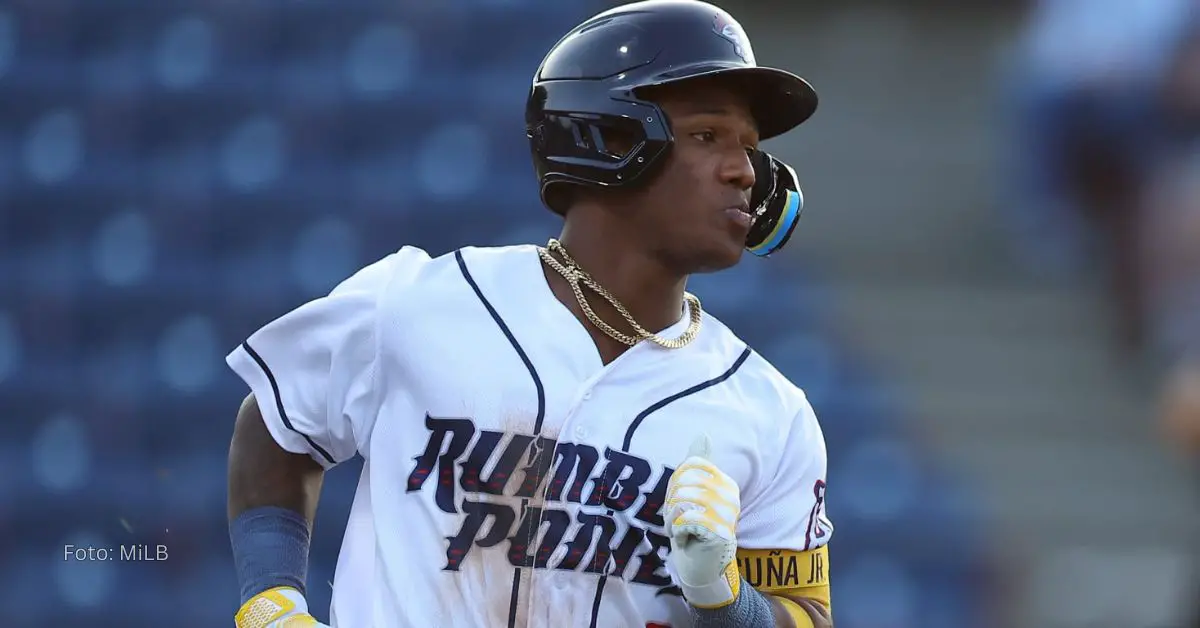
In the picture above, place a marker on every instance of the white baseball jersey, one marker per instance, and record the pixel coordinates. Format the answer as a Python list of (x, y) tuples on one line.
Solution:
[(510, 477)]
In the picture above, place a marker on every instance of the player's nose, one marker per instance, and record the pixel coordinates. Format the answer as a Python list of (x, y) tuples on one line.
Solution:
[(737, 170)]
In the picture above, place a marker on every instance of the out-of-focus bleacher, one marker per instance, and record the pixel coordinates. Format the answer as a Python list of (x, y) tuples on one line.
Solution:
[(175, 174)]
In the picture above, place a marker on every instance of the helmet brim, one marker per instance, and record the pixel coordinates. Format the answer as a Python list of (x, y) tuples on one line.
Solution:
[(779, 100)]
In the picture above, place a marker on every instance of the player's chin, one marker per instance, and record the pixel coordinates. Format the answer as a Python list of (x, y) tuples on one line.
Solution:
[(721, 254)]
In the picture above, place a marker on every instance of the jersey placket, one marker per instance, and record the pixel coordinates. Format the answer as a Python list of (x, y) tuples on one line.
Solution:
[(580, 425)]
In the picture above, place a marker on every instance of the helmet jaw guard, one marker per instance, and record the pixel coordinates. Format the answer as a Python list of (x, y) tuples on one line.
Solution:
[(775, 202)]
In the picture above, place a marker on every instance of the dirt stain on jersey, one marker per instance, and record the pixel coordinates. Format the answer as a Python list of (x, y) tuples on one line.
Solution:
[(485, 578)]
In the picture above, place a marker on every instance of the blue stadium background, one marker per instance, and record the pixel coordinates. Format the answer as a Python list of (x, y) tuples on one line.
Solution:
[(174, 174)]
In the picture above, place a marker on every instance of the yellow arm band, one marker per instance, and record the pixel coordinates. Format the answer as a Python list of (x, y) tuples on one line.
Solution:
[(789, 574)]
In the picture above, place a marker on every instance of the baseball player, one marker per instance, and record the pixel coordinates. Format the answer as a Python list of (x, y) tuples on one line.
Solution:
[(558, 436)]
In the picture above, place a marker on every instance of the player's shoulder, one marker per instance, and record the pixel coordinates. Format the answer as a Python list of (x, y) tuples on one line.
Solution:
[(791, 418), (412, 270), (485, 263), (378, 275), (774, 388), (762, 386)]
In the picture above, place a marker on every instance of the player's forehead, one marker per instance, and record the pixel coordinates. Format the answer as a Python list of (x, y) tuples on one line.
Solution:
[(699, 98)]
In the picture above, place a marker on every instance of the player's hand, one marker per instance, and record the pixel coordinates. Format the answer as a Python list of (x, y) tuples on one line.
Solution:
[(281, 607), (702, 510)]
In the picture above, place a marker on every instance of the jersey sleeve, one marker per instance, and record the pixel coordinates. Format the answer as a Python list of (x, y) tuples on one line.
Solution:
[(313, 370), (786, 511)]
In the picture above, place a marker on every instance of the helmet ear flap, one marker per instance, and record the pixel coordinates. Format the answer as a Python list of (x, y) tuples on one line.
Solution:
[(573, 147), (594, 153), (775, 202)]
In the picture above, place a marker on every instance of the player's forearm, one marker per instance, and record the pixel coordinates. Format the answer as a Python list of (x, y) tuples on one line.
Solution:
[(273, 497), (798, 612), (261, 473)]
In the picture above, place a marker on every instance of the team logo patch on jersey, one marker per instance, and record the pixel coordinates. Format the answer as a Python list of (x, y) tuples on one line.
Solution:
[(730, 31)]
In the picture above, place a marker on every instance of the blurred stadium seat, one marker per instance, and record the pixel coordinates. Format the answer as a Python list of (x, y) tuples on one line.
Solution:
[(175, 174)]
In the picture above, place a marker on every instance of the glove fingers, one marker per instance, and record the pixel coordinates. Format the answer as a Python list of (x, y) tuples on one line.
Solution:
[(699, 487), (690, 476), (700, 524), (720, 504), (675, 509), (700, 471)]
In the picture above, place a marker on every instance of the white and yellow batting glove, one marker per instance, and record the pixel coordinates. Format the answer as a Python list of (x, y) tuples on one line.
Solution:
[(702, 509), (281, 607)]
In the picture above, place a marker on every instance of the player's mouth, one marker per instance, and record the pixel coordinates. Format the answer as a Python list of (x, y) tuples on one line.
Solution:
[(740, 215)]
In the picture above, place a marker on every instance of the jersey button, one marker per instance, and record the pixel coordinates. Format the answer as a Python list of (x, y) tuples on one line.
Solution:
[(581, 432), (587, 395)]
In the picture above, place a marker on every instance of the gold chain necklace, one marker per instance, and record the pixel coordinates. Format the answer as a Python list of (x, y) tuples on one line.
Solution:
[(575, 276)]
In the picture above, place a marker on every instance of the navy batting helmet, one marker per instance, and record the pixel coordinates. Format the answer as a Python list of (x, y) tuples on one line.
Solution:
[(589, 81)]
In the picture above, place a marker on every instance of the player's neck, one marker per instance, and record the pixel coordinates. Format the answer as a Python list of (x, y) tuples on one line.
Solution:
[(651, 292)]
